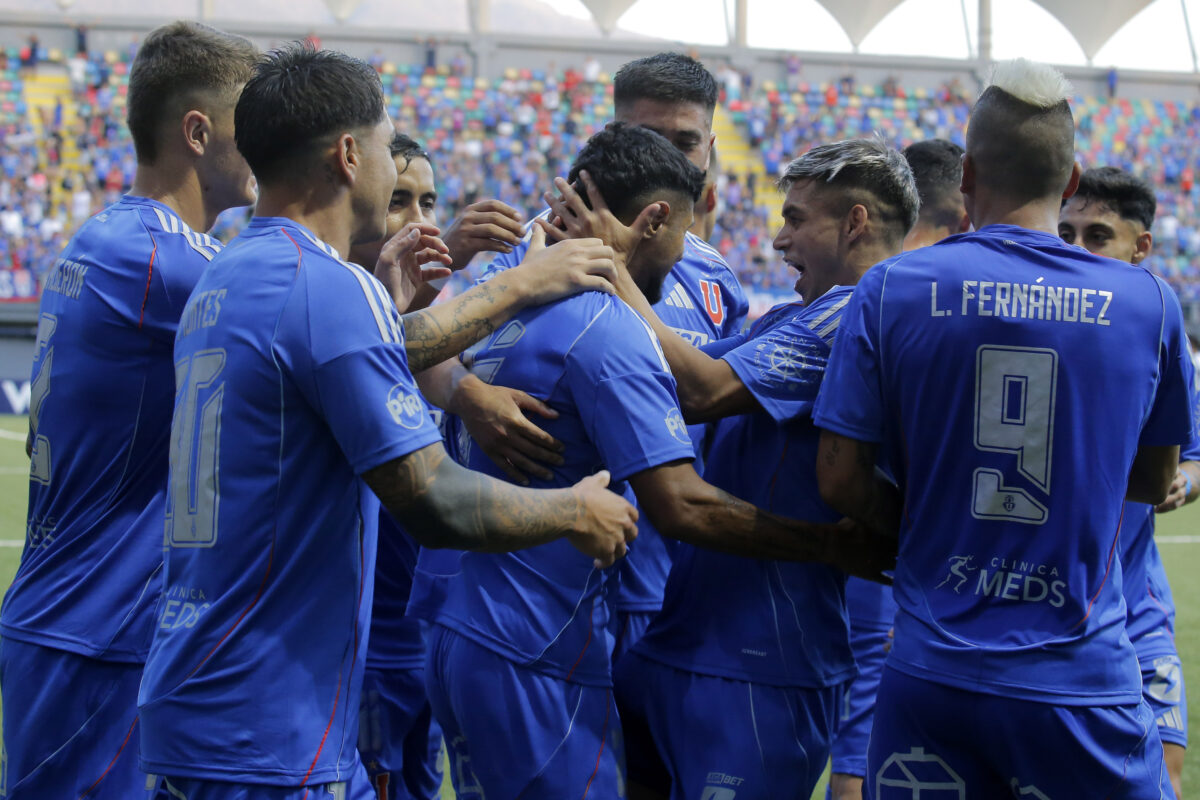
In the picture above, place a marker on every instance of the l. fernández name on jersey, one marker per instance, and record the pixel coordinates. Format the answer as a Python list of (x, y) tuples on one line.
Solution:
[(979, 360)]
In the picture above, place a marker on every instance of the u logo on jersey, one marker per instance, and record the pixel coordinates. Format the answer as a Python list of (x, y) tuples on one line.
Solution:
[(711, 292)]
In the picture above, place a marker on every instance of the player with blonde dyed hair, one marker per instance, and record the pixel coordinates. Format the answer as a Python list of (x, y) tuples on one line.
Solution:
[(974, 366)]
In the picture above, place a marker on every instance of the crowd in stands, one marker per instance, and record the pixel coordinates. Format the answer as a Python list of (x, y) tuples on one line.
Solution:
[(508, 138)]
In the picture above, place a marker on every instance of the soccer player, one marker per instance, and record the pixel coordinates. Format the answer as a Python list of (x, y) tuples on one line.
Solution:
[(708, 206), (294, 411), (701, 300), (79, 616), (521, 641), (937, 169), (745, 648), (978, 366), (398, 740), (1111, 215)]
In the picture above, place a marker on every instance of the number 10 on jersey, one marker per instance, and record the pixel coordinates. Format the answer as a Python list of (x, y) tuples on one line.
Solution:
[(194, 493), (1015, 393)]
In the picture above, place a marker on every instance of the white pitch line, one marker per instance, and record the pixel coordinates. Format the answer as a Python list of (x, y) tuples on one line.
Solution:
[(1180, 539), (12, 542), (12, 436)]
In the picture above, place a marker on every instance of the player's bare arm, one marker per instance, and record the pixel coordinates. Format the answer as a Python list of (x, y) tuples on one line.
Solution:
[(683, 506), (445, 505), (498, 419), (708, 387), (441, 332), (1184, 488), (850, 484), (1152, 473)]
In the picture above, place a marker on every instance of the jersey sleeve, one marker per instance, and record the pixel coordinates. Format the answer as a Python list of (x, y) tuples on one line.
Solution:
[(1191, 451), (850, 401), (359, 370), (782, 368), (625, 395), (1170, 421), (720, 347)]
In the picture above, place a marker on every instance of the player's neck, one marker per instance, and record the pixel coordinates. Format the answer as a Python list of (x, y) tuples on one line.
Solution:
[(328, 219), (1036, 215), (178, 188)]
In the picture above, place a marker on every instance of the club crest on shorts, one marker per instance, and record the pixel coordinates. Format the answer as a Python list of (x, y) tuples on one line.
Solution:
[(406, 408)]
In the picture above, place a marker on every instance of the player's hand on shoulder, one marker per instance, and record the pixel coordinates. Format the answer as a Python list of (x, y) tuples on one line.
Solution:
[(496, 417), (414, 256), (488, 226), (861, 552), (605, 521), (568, 268)]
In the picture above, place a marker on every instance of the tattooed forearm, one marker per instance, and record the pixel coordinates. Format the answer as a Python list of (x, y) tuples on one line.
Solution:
[(444, 505), (435, 334)]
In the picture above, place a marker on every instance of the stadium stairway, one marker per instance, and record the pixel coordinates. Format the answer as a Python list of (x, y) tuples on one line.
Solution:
[(42, 91), (738, 157)]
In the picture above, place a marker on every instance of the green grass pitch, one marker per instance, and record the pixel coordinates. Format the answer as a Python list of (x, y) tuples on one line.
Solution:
[(1182, 560)]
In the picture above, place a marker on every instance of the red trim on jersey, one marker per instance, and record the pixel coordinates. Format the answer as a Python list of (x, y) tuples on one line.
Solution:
[(1107, 570), (603, 734), (149, 276), (591, 617), (108, 769)]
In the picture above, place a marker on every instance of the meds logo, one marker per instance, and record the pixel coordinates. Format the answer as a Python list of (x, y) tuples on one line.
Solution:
[(406, 408), (677, 427)]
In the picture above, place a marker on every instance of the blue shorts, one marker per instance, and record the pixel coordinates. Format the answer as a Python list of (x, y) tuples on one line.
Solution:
[(942, 742), (1164, 691), (194, 789), (512, 732), (70, 725), (716, 738), (631, 626), (849, 750), (398, 741)]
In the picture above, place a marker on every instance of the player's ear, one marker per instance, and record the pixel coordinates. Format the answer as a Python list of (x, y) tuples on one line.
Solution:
[(657, 219), (967, 184), (710, 198), (197, 131), (1145, 241), (1073, 184), (856, 222), (347, 157)]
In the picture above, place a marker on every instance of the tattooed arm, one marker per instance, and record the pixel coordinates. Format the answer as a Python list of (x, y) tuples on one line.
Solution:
[(851, 485), (683, 506), (444, 505), (435, 334)]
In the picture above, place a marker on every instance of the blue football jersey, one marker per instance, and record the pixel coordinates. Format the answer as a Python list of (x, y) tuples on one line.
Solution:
[(100, 408), (292, 381), (1015, 377), (597, 363), (773, 622)]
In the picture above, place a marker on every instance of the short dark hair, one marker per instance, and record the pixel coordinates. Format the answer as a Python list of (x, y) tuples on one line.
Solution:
[(175, 67), (665, 78), (1127, 195), (408, 148), (628, 163), (297, 97), (862, 171), (937, 169)]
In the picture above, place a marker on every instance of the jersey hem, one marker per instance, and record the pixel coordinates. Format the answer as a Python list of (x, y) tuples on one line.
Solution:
[(67, 644), (256, 776), (684, 665), (550, 669), (843, 429), (947, 678)]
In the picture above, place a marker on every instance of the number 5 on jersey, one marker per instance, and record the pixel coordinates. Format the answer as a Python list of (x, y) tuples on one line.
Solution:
[(1015, 392), (195, 493)]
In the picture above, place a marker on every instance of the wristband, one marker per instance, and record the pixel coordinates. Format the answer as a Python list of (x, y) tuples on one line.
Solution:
[(1187, 485)]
